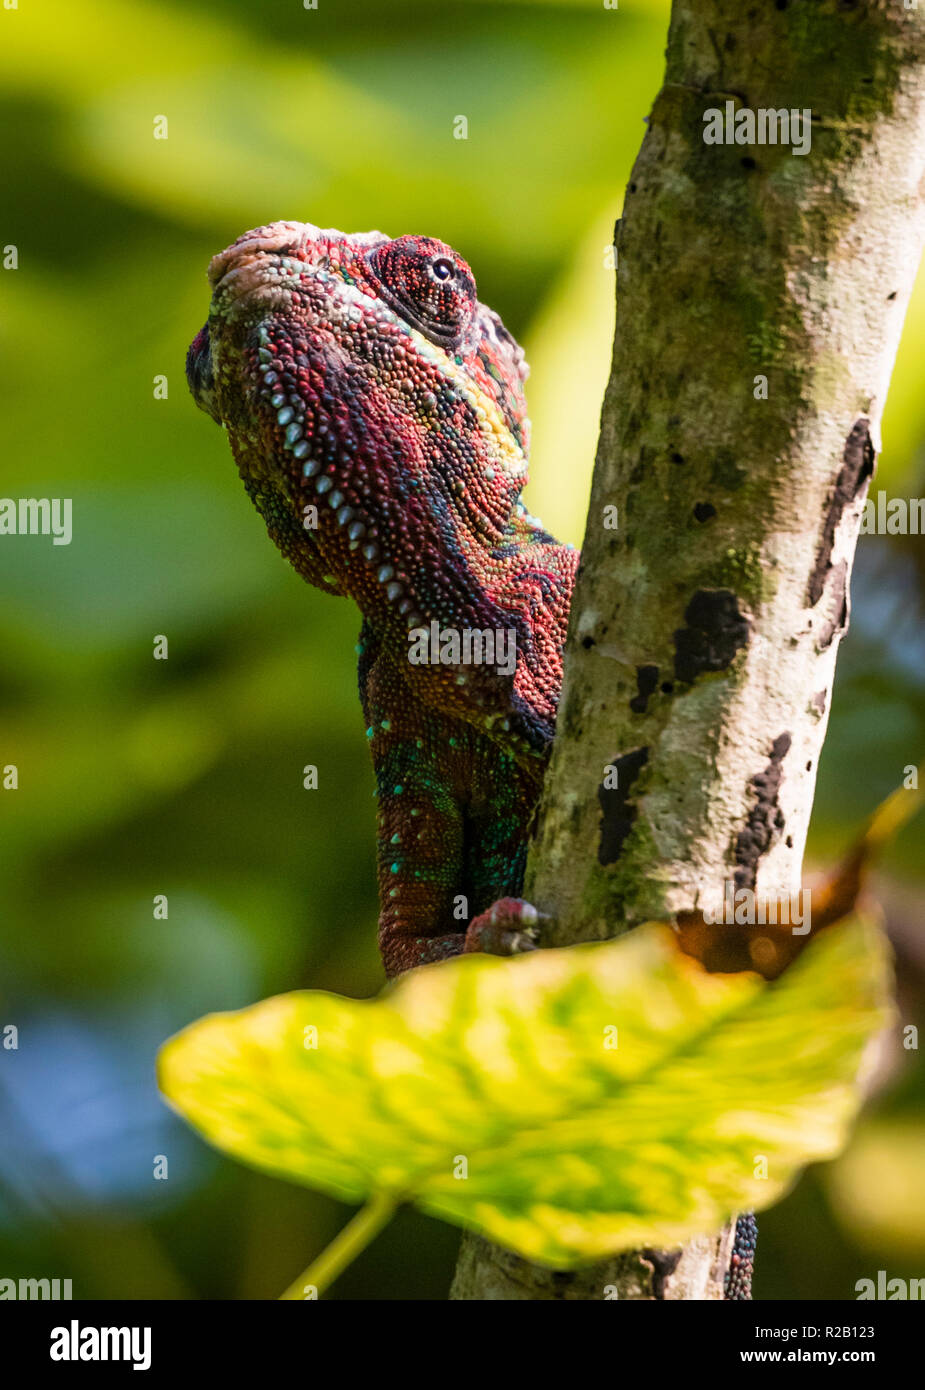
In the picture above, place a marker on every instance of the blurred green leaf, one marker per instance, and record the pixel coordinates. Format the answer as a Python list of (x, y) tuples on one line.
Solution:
[(575, 1148), (877, 1186)]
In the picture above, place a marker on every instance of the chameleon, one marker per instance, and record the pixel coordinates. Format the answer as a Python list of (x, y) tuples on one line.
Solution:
[(376, 412), (359, 376)]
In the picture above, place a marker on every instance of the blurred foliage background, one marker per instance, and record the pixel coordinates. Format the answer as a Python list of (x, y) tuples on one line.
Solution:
[(184, 777)]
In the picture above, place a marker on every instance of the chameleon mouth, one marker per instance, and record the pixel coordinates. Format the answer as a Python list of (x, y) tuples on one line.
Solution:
[(200, 374)]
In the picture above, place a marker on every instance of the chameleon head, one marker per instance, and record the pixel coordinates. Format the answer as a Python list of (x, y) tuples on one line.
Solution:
[(375, 409)]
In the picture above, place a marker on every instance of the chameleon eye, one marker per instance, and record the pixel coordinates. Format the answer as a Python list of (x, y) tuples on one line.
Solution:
[(427, 285)]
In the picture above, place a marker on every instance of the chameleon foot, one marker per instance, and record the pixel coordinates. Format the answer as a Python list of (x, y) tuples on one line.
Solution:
[(509, 927)]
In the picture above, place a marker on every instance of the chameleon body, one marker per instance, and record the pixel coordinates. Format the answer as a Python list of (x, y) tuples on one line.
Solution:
[(376, 412), (360, 377)]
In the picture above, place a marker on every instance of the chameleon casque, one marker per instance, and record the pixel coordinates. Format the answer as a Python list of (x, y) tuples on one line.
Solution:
[(376, 413)]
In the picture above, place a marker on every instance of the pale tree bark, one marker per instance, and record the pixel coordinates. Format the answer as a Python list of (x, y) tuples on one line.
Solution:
[(704, 629)]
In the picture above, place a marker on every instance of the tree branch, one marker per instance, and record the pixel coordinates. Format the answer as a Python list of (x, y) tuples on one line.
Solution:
[(704, 629)]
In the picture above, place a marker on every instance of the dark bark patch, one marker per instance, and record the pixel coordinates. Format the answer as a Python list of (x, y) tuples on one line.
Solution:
[(857, 468), (646, 681), (817, 703), (664, 1263), (765, 819), (618, 811), (836, 619), (703, 511), (725, 472), (715, 631)]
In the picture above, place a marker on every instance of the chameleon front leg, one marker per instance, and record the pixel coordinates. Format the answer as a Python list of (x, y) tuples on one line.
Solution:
[(503, 924), (449, 841), (419, 844), (422, 870), (419, 854), (440, 863)]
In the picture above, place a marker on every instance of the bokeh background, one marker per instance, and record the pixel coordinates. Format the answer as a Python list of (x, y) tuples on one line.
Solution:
[(183, 777)]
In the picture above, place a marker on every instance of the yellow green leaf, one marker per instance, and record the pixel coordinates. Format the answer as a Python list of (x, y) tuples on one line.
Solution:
[(568, 1104)]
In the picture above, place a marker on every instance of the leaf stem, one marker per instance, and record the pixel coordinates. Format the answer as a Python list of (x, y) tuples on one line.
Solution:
[(344, 1248)]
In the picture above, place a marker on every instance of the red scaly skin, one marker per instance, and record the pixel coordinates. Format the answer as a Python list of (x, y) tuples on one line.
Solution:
[(376, 413)]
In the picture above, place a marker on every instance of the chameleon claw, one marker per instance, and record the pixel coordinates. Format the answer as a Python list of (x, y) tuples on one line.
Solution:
[(509, 928)]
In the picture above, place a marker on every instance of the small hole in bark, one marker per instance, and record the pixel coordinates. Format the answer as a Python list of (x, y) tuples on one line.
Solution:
[(781, 4), (704, 510), (747, 162), (667, 687), (587, 643), (677, 458), (891, 296), (789, 842)]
